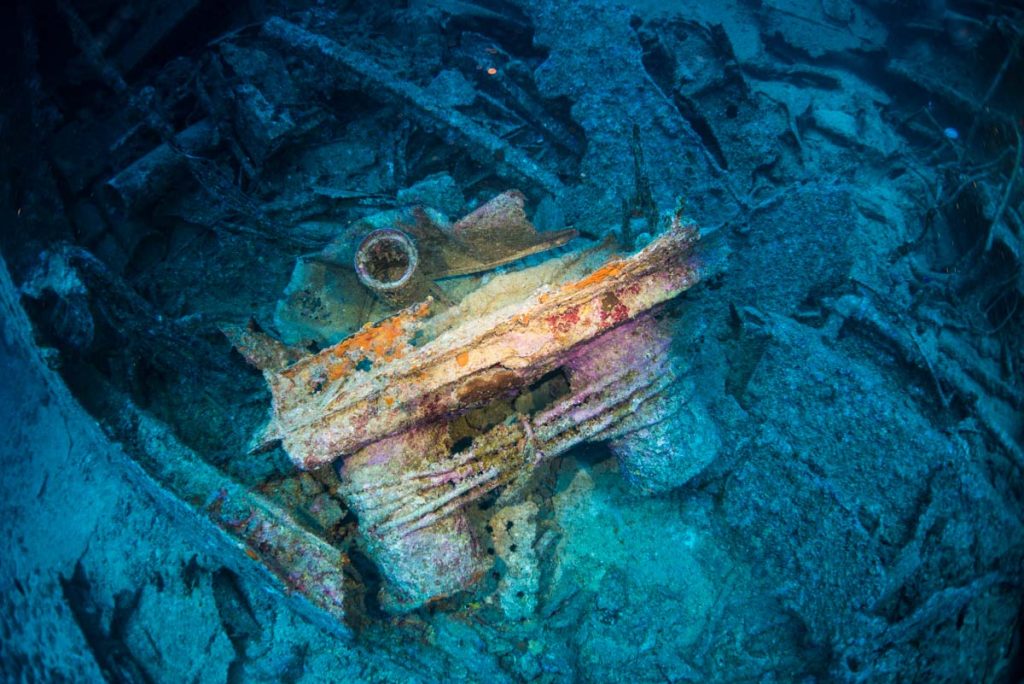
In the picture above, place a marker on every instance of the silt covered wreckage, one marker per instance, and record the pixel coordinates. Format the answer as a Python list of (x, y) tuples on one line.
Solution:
[(512, 341), (389, 403)]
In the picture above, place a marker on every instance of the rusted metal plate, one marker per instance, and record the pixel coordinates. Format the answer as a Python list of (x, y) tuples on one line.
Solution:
[(383, 380)]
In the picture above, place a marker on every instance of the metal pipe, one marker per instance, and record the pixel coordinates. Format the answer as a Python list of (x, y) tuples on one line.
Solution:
[(387, 262)]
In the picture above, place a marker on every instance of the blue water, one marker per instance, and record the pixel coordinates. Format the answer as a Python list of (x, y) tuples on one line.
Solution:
[(830, 492)]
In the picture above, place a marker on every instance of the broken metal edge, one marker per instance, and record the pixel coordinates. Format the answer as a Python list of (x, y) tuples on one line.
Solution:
[(666, 267), (258, 539), (551, 239), (174, 475)]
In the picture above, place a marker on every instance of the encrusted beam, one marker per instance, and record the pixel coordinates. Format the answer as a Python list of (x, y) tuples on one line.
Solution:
[(378, 383), (385, 404)]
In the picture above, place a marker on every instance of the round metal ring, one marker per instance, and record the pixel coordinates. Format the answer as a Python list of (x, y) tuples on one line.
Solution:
[(386, 259)]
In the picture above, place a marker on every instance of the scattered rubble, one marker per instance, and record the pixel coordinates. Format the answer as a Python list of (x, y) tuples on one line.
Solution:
[(811, 469)]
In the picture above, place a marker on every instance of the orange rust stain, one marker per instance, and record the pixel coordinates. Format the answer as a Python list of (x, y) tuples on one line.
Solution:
[(389, 400), (543, 299), (462, 358), (251, 554), (610, 270), (338, 369), (384, 341)]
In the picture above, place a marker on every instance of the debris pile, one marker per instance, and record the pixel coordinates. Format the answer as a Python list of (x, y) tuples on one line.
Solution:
[(506, 433)]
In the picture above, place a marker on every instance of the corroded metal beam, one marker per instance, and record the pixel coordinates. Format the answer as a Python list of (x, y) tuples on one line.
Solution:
[(378, 383), (384, 404), (298, 564), (240, 526), (411, 492)]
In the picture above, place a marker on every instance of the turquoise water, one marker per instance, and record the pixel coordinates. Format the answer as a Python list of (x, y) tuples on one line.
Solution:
[(240, 449)]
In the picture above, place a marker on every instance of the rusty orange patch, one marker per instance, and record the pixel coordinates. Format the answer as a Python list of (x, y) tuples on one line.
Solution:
[(383, 341), (462, 358), (610, 270), (337, 369), (251, 554)]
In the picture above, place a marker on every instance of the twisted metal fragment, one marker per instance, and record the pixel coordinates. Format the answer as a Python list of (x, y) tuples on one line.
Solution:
[(385, 409)]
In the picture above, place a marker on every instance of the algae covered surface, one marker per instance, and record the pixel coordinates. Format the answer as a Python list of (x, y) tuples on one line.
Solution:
[(828, 487)]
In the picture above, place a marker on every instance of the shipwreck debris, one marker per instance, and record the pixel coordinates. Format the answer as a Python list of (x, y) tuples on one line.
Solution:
[(143, 181), (401, 254), (387, 262), (297, 563), (384, 403), (322, 410), (485, 146)]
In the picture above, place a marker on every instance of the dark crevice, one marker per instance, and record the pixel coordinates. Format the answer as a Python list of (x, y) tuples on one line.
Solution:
[(116, 662), (504, 22), (371, 582), (701, 126), (660, 63)]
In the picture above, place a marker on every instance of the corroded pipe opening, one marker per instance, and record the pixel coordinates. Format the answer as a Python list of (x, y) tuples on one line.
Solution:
[(386, 261)]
